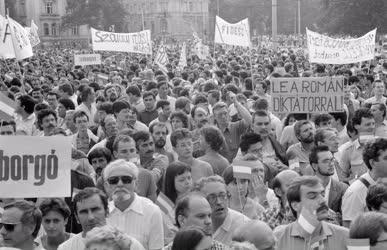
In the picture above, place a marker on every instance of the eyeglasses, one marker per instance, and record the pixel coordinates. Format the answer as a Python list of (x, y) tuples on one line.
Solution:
[(213, 197), (8, 227), (126, 179)]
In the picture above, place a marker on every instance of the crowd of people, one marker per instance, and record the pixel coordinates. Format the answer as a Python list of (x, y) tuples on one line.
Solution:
[(154, 154)]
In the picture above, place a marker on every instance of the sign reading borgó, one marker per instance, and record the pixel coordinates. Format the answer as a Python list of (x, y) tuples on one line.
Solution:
[(307, 94), (87, 59), (35, 166)]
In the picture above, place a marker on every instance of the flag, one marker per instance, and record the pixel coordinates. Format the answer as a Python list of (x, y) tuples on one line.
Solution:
[(165, 204), (241, 172), (33, 34), (358, 244), (201, 50), (183, 58), (20, 40), (161, 58), (6, 47), (7, 107), (307, 221)]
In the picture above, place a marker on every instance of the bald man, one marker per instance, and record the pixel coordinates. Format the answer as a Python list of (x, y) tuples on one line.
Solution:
[(256, 232), (280, 216)]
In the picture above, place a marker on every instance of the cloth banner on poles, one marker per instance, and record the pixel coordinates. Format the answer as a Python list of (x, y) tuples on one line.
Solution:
[(6, 47), (237, 34), (327, 50), (161, 58), (33, 34), (139, 42), (7, 107), (183, 57), (21, 42)]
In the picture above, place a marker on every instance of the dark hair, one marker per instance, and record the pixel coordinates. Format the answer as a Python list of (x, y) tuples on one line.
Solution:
[(200, 98), (368, 225), (213, 137), (55, 204), (376, 195), (31, 214), (162, 104), (174, 169), (45, 112), (148, 93), (106, 106), (180, 115), (158, 124), (67, 103), (88, 192), (78, 114), (381, 107), (261, 113), (340, 115), (98, 153), (187, 239), (8, 123), (321, 134), (85, 93), (120, 105), (41, 106), (134, 90), (28, 103), (120, 138), (359, 114), (67, 88), (373, 150), (214, 94), (180, 134), (249, 139), (320, 118), (313, 156), (294, 191), (141, 136), (261, 104)]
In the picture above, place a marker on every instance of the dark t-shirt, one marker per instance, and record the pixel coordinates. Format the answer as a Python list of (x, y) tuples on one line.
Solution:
[(147, 116)]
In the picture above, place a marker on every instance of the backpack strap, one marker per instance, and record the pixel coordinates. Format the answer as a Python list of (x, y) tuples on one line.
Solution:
[(365, 182)]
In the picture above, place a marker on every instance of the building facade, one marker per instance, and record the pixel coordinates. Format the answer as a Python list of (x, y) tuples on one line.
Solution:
[(168, 19), (47, 15)]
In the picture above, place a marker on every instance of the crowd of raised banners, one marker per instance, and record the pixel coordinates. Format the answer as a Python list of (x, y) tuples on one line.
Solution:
[(138, 144)]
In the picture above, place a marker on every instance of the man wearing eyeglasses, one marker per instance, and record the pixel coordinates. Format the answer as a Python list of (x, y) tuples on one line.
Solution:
[(20, 224), (137, 216), (224, 219), (7, 128)]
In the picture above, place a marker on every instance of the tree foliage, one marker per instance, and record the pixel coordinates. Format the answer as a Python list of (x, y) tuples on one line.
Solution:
[(97, 13), (355, 17)]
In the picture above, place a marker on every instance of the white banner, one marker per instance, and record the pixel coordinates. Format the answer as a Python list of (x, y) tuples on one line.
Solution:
[(327, 50), (33, 166), (87, 59), (33, 34), (20, 40), (232, 34), (161, 58), (183, 57), (139, 42), (6, 47)]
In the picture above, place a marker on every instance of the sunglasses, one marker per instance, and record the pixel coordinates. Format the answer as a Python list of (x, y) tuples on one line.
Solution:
[(8, 227), (115, 179)]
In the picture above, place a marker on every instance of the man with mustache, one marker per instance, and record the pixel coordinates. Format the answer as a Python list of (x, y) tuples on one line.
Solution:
[(323, 163), (307, 202), (159, 133), (137, 216), (300, 151), (47, 121), (110, 93)]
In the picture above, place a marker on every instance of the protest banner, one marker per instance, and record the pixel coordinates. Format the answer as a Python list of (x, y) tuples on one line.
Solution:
[(7, 108), (237, 34), (35, 166), (139, 42), (327, 50), (87, 59), (20, 40), (6, 47), (161, 58), (183, 57), (307, 94), (33, 34)]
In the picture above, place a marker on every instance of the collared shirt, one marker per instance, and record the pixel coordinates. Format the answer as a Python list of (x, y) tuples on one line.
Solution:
[(141, 220), (374, 100), (351, 162), (232, 135), (157, 166), (381, 131), (330, 237), (89, 112), (354, 199), (275, 216), (214, 246), (27, 125), (233, 220), (328, 190)]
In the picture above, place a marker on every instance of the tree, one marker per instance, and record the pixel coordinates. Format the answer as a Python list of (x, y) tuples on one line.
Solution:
[(100, 14), (354, 17)]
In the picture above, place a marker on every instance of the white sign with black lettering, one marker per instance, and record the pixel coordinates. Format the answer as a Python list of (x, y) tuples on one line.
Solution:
[(87, 59)]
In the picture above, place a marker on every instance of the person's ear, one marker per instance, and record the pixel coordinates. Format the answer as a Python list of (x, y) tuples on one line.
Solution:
[(314, 166), (181, 220), (278, 192), (296, 206), (115, 153)]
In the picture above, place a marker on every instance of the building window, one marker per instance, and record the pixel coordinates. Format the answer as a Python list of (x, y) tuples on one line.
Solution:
[(75, 30), (53, 29), (48, 6), (46, 29)]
